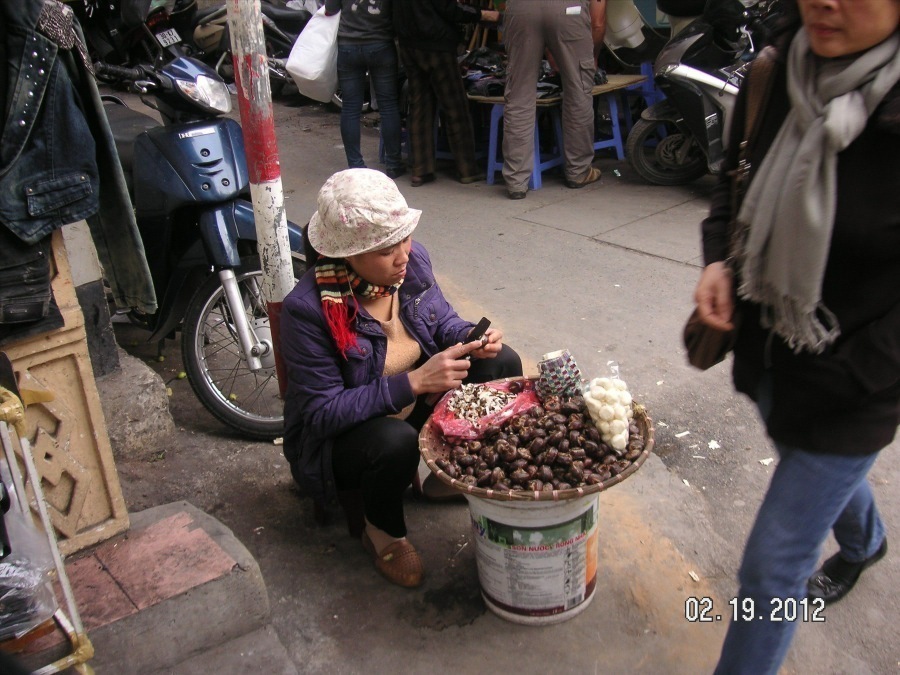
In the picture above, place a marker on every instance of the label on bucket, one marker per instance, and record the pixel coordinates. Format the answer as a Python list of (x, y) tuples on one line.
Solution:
[(537, 571)]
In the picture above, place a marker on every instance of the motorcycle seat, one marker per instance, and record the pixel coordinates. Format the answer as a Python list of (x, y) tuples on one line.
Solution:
[(681, 8), (126, 125), (202, 14), (290, 21)]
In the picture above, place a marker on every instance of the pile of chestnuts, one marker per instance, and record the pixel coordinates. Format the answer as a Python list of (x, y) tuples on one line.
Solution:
[(552, 446)]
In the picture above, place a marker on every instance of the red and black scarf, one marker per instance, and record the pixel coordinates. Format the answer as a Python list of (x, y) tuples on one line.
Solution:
[(337, 282)]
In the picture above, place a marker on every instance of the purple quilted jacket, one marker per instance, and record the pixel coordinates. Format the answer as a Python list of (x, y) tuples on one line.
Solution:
[(327, 394)]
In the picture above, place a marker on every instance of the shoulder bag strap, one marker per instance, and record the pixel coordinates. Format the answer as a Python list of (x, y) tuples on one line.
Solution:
[(759, 86)]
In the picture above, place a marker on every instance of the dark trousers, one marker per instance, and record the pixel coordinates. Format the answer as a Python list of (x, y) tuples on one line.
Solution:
[(378, 458), (375, 62), (434, 78)]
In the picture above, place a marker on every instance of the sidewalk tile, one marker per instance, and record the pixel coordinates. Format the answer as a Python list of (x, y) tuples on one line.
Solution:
[(164, 560)]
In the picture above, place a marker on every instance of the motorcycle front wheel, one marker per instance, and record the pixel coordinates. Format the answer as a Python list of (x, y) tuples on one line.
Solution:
[(661, 154), (245, 400)]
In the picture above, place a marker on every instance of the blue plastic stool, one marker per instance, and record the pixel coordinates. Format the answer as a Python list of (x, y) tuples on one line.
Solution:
[(404, 142), (541, 164), (616, 140), (646, 90)]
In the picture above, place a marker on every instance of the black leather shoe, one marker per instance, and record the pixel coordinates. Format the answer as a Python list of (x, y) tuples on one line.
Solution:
[(836, 577), (395, 172)]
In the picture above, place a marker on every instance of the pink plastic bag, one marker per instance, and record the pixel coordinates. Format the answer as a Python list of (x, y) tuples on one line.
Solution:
[(455, 427)]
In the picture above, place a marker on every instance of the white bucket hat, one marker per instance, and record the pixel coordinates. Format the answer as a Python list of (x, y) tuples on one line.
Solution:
[(359, 210)]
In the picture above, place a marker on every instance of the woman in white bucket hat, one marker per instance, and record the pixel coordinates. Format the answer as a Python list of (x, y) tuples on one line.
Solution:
[(366, 336)]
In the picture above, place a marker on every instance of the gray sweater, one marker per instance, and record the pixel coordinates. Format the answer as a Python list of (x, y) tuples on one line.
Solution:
[(363, 20)]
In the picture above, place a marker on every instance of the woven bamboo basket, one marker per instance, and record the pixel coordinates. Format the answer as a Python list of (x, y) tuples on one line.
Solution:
[(433, 446)]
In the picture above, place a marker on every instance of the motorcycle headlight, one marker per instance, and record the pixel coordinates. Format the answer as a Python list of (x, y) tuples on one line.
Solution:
[(211, 94)]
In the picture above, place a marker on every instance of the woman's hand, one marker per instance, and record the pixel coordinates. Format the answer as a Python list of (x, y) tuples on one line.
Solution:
[(490, 15), (489, 346), (714, 296), (443, 371)]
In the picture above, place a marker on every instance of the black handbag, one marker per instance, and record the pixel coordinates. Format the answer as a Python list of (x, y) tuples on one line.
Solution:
[(707, 346)]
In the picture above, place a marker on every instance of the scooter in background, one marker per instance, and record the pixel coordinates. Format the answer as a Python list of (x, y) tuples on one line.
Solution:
[(210, 37), (700, 71), (188, 181), (130, 33)]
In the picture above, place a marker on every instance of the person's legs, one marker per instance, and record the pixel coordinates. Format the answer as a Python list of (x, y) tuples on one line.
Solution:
[(524, 39), (352, 80), (420, 121), (569, 40), (454, 106), (381, 58), (379, 458), (808, 495), (859, 529)]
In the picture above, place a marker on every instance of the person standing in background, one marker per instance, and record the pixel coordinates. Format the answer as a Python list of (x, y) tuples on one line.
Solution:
[(429, 37), (598, 26), (366, 52), (564, 27)]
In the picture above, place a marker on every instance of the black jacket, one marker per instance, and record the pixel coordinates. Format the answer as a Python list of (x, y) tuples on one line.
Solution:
[(847, 400), (432, 25)]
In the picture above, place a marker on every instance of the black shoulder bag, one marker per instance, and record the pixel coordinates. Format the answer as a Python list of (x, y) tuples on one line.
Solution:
[(705, 345)]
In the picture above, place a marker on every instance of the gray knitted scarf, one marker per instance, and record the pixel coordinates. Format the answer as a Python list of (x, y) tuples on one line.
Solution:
[(790, 204)]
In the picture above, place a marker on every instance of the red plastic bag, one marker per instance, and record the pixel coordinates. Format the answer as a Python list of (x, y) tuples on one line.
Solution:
[(455, 427)]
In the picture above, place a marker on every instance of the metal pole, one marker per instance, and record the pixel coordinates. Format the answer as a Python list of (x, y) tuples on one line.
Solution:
[(251, 76)]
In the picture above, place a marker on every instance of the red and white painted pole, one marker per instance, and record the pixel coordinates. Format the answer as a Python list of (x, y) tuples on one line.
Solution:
[(258, 122)]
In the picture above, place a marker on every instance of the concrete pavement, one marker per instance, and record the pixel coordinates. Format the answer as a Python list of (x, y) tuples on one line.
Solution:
[(608, 273)]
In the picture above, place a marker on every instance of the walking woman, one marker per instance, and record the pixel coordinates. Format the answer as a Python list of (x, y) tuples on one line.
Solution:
[(817, 282)]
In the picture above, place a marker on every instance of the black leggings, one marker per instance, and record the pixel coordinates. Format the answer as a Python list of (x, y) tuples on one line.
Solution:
[(379, 457)]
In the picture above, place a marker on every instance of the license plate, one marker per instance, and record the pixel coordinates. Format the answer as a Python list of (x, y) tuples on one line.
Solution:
[(168, 37)]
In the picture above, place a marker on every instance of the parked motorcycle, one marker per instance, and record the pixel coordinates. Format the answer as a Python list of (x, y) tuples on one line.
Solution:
[(134, 32), (700, 71), (188, 180), (281, 26)]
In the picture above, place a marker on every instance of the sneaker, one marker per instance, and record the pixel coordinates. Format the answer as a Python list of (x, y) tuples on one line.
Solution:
[(395, 173), (592, 176)]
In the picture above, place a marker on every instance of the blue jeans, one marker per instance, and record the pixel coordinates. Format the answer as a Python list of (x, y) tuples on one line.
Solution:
[(357, 64), (810, 494)]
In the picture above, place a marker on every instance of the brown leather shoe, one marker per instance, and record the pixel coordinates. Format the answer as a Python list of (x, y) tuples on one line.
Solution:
[(399, 562), (592, 176)]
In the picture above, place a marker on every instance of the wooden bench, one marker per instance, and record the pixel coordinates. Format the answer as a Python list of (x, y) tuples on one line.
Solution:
[(616, 85)]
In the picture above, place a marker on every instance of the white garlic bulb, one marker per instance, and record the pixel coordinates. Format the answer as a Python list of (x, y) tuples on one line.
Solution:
[(610, 405)]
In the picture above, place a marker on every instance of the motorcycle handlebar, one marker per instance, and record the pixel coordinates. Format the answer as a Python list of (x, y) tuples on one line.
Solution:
[(121, 72)]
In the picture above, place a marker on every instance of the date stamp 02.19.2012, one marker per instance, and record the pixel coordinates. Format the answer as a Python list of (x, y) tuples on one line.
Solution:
[(788, 610)]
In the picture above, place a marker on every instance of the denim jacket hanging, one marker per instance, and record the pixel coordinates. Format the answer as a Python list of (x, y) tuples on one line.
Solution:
[(58, 162)]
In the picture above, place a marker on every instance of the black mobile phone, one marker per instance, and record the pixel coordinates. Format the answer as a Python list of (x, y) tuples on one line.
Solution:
[(479, 330)]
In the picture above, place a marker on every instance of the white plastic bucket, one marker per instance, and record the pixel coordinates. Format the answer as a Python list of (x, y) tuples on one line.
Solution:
[(537, 561)]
